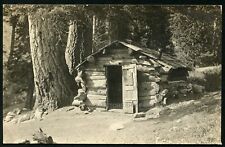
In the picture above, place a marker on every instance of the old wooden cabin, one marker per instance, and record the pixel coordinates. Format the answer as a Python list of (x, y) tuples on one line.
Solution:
[(124, 76)]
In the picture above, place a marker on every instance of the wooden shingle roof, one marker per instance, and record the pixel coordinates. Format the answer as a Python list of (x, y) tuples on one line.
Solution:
[(166, 59)]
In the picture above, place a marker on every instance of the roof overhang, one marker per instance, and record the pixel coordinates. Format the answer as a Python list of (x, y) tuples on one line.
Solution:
[(166, 60)]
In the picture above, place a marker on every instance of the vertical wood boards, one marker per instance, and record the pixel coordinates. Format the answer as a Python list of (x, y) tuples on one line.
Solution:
[(130, 93)]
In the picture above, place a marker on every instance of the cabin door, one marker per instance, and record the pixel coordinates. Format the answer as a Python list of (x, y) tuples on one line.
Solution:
[(130, 90)]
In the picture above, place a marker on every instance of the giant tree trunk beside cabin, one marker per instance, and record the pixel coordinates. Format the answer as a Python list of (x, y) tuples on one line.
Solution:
[(54, 86), (29, 102)]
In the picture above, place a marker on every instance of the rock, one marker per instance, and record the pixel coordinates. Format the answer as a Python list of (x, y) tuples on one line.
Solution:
[(116, 126), (38, 113), (164, 101), (31, 115), (154, 78), (34, 142), (14, 120), (152, 102), (138, 115), (76, 102), (140, 119), (23, 118), (71, 108), (165, 111), (100, 110), (17, 111), (89, 109), (178, 121), (25, 109), (154, 115), (198, 88), (81, 95), (25, 142), (161, 95), (45, 113), (86, 112), (42, 138), (83, 107), (8, 118), (11, 114), (154, 112)]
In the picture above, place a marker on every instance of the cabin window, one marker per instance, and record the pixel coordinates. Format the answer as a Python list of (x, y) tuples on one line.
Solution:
[(178, 74)]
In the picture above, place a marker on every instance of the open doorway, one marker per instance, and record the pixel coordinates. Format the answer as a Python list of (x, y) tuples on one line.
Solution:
[(114, 87)]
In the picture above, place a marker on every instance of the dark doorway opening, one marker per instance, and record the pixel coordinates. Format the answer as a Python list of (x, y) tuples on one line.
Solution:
[(114, 87)]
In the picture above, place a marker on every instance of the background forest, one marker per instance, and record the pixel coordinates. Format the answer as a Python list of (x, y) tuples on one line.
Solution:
[(43, 43)]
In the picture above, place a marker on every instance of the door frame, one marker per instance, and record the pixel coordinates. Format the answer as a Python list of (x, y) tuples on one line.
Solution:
[(107, 83)]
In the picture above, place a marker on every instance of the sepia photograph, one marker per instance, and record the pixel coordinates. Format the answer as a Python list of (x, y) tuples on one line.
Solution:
[(112, 74)]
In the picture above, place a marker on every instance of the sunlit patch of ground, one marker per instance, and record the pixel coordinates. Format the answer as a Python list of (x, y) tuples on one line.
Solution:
[(192, 121)]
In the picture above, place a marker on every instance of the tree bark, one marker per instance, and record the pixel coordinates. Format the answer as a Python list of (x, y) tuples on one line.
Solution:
[(72, 53), (79, 44), (54, 87), (13, 21), (94, 24), (112, 29), (29, 103)]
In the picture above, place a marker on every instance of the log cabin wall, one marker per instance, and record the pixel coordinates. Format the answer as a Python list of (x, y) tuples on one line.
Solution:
[(95, 76), (148, 85), (152, 77)]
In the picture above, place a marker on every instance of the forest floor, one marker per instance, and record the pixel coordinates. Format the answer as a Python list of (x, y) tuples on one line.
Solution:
[(192, 121)]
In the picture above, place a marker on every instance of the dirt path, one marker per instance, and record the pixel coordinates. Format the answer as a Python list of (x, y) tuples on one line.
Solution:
[(195, 121)]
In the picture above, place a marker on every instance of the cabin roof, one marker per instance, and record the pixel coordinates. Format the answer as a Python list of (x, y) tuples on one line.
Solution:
[(165, 60)]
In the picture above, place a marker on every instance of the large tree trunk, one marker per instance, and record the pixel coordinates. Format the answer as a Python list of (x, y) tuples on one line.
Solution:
[(54, 87), (29, 103)]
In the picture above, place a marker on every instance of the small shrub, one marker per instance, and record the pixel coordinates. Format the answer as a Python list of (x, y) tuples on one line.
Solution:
[(213, 79), (208, 77), (196, 77)]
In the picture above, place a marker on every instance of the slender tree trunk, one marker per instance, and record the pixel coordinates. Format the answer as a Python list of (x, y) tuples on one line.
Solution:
[(13, 21), (112, 29), (79, 45), (87, 40), (54, 87), (72, 53), (107, 27), (93, 32)]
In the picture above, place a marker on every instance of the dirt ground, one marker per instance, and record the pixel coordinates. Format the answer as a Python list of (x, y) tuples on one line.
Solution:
[(194, 121)]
